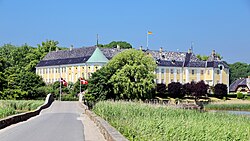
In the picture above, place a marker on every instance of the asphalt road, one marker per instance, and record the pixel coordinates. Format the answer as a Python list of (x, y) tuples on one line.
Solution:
[(63, 121)]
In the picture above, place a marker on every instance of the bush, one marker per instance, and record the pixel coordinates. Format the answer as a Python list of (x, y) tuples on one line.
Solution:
[(175, 90), (240, 96), (161, 90), (220, 90), (69, 97)]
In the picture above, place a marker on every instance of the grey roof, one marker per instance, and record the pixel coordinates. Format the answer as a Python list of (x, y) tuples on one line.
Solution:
[(167, 55), (239, 82), (215, 64), (111, 52), (74, 53), (163, 58), (74, 56)]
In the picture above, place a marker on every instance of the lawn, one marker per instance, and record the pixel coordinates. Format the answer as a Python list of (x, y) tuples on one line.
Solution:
[(11, 107), (138, 121)]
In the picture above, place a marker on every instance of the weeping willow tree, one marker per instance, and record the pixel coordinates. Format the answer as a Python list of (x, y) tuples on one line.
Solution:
[(129, 75)]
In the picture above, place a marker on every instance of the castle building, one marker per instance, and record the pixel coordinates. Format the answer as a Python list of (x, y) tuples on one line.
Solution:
[(180, 67)]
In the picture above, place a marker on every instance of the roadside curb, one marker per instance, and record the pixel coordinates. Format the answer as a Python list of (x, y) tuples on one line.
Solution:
[(25, 116), (108, 131)]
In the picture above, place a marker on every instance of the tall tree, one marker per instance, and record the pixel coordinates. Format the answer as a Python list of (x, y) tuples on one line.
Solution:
[(239, 70), (114, 44), (129, 75)]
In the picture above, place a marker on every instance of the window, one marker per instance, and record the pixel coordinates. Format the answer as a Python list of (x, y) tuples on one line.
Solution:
[(156, 81), (156, 70), (162, 70), (56, 70), (192, 72), (202, 72), (178, 72), (83, 75), (162, 81), (218, 71), (208, 72), (184, 80), (172, 71)]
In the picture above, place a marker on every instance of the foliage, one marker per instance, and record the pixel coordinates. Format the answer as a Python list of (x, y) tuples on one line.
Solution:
[(76, 87), (200, 89), (129, 75), (189, 88), (11, 107), (240, 96), (161, 90), (202, 57), (220, 90), (233, 107), (69, 97), (17, 70), (175, 90), (239, 70), (138, 121), (114, 44)]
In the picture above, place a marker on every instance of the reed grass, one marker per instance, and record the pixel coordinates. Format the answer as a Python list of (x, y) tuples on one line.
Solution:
[(11, 107), (137, 121)]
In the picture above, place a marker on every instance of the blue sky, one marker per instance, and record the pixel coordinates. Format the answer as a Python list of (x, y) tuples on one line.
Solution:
[(223, 25)]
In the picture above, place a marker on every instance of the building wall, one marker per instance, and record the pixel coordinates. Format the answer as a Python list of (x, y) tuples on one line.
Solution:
[(70, 73), (166, 75), (210, 76)]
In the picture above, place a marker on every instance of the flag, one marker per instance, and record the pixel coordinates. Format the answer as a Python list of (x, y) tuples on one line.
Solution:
[(84, 82), (64, 82), (149, 32)]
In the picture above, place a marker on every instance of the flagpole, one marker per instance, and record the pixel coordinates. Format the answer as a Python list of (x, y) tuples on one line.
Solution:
[(60, 84), (80, 85), (147, 40)]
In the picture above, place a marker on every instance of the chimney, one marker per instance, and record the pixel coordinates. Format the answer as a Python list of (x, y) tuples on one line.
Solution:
[(213, 53), (161, 49), (71, 47), (140, 47), (118, 46)]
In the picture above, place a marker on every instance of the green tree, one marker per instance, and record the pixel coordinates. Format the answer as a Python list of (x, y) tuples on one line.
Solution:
[(114, 44), (239, 70), (129, 75), (202, 57)]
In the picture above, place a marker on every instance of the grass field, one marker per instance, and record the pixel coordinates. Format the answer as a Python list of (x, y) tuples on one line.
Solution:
[(234, 107), (138, 121), (11, 107)]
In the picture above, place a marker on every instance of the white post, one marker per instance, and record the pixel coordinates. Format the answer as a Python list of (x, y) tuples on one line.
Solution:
[(147, 39)]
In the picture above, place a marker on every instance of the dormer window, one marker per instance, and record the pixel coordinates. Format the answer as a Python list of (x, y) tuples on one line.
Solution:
[(173, 61)]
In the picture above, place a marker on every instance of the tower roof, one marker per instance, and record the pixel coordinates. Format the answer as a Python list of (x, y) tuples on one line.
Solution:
[(97, 56)]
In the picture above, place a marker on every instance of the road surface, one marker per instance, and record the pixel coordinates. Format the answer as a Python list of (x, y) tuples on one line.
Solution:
[(63, 121)]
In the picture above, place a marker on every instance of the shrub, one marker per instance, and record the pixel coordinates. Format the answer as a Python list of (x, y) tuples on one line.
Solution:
[(161, 90), (240, 96), (175, 90), (69, 97), (220, 90)]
